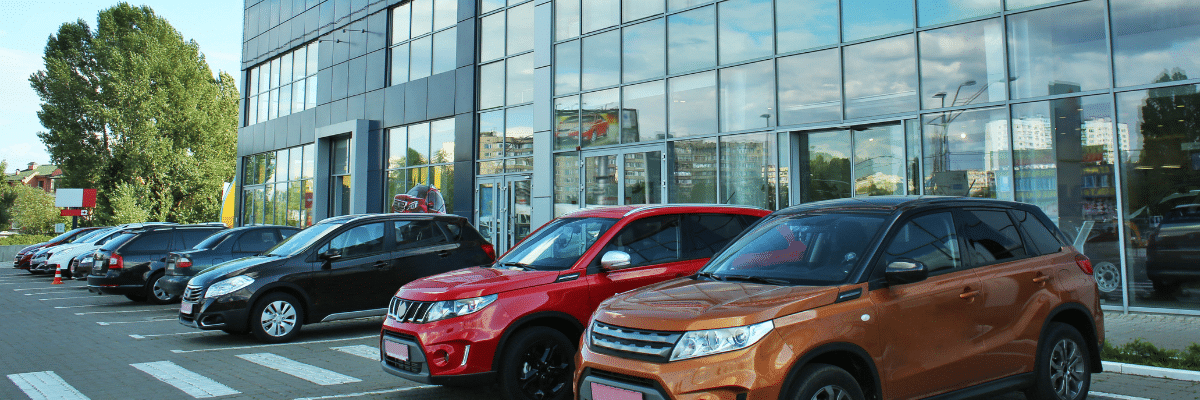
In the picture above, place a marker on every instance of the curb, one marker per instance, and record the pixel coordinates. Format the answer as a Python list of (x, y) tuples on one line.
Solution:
[(1156, 372)]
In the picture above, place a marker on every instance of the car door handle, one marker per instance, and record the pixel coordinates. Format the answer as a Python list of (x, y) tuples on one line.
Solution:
[(381, 264), (969, 294), (444, 253), (1042, 279)]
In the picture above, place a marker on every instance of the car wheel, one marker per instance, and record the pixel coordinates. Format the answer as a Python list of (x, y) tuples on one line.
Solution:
[(276, 318), (156, 294), (1108, 277), (1063, 365), (71, 270), (538, 365), (826, 382)]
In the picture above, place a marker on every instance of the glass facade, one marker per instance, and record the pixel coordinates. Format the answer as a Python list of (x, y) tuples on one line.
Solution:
[(284, 85), (421, 154), (278, 187), (424, 39)]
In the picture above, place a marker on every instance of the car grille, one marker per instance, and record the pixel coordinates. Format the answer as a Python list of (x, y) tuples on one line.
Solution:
[(192, 294), (636, 343), (408, 310), (410, 366)]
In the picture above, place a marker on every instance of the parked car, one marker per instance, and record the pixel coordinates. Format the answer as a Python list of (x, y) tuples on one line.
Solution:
[(516, 322), (1173, 251), (38, 264), (866, 298), (81, 266), (230, 244), (341, 268), (125, 265), (60, 255), (24, 256)]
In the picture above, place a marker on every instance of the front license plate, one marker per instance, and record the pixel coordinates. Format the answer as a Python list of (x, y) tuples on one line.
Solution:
[(396, 350), (185, 308), (605, 392)]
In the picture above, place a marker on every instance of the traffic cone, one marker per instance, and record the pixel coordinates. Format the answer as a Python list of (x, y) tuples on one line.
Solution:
[(57, 276)]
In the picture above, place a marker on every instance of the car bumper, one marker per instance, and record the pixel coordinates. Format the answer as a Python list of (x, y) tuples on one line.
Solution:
[(174, 284), (121, 281), (461, 352), (734, 375), (209, 314), (413, 365)]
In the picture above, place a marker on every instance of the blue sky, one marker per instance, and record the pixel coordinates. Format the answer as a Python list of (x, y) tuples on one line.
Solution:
[(26, 24)]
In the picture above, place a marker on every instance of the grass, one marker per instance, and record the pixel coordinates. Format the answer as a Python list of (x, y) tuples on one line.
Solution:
[(24, 240), (1144, 353)]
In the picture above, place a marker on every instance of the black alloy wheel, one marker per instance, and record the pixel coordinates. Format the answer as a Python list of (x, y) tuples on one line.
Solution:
[(538, 365), (1063, 366), (156, 294), (825, 382)]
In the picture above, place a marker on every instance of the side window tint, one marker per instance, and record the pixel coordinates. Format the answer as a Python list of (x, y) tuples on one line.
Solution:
[(991, 237), (411, 234), (653, 240), (256, 241), (452, 229), (192, 237), (1042, 238), (709, 233), (151, 242), (929, 239), (359, 240), (286, 233)]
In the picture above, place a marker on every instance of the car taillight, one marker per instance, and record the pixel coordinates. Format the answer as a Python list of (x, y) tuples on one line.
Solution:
[(183, 262), (116, 262), (490, 250), (1084, 263)]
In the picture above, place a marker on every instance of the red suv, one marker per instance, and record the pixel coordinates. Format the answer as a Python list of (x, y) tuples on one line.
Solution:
[(518, 321)]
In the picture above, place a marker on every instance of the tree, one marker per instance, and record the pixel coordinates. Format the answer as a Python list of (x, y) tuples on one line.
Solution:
[(34, 210), (7, 198), (131, 104)]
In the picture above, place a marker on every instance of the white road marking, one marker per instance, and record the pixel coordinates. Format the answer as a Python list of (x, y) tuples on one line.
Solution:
[(44, 288), (134, 322), (45, 385), (271, 345), (35, 294), (342, 396), (69, 298), (85, 305), (123, 312), (1116, 396), (189, 382), (298, 369), (368, 352), (169, 334)]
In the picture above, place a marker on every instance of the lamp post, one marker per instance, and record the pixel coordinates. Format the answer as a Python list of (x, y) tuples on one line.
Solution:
[(767, 116)]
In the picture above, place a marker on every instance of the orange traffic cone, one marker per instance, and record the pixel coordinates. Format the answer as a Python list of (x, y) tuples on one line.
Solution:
[(57, 276)]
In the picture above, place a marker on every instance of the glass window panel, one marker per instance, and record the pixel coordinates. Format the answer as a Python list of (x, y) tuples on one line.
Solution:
[(1019, 4), (912, 133), (746, 169), (248, 210), (692, 40), (486, 6), (443, 179), (598, 123), (747, 96), (744, 33), (1046, 59), (285, 100), (263, 105), (281, 203), (422, 17), (601, 60), (397, 183), (285, 69), (933, 12), (812, 91), (785, 161), (400, 64), (600, 14), (862, 19), (249, 176), (673, 5), (520, 28), (491, 37), (566, 183), (397, 147), (644, 51), (295, 208), (1151, 38), (295, 162), (600, 180), (804, 24), (445, 13), (881, 77), (312, 59), (341, 157), (275, 72), (566, 67), (518, 131), (694, 175), (963, 64), (519, 86), (491, 135), (445, 55), (491, 167), (643, 178), (252, 110), (310, 160), (491, 85), (422, 57), (693, 106), (310, 98), (523, 164), (637, 9), (307, 218), (418, 144), (273, 108), (879, 160), (966, 154), (644, 112), (566, 19), (300, 61), (825, 165), (441, 138), (298, 96), (260, 78), (260, 168), (566, 123), (401, 18)]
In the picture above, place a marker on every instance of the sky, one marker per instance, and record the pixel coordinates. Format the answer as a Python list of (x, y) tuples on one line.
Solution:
[(25, 25)]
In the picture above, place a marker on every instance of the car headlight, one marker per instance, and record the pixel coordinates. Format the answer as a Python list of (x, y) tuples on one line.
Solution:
[(228, 286), (453, 308), (713, 341)]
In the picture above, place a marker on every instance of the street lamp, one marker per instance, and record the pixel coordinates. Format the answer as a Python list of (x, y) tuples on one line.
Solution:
[(768, 118)]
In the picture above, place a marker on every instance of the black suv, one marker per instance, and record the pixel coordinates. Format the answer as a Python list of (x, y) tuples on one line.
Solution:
[(341, 268), (126, 263), (229, 244)]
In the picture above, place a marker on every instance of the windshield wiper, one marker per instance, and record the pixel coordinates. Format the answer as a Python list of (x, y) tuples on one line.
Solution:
[(709, 275), (756, 279), (521, 266)]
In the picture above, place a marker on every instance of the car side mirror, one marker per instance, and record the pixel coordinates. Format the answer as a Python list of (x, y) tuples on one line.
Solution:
[(614, 259), (331, 255), (905, 271)]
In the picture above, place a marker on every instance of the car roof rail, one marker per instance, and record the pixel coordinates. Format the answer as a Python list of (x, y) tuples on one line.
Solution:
[(669, 205)]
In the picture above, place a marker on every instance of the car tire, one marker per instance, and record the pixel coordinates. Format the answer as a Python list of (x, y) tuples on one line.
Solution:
[(276, 318), (825, 382), (1062, 370), (156, 294), (537, 365)]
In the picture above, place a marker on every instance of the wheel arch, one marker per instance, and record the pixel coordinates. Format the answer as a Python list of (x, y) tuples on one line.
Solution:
[(279, 287), (847, 356), (1080, 318), (556, 320)]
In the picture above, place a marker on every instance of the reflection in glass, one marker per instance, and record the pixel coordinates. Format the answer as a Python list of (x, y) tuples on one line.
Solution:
[(747, 96), (862, 19), (400, 23), (600, 14), (487, 203), (520, 79), (644, 52), (310, 161), (675, 5), (825, 165), (600, 181), (644, 112), (298, 96), (1045, 59), (422, 58), (491, 37), (418, 144), (933, 12), (804, 24), (693, 105), (518, 131), (341, 157), (784, 165), (491, 167), (912, 165), (491, 85), (339, 204), (268, 213), (486, 6), (879, 160), (310, 87), (285, 100), (566, 19), (599, 120), (963, 64), (523, 164), (491, 135), (1151, 38), (444, 54), (295, 163), (445, 13), (966, 154), (601, 60), (1019, 4), (566, 123), (281, 204), (744, 33), (637, 9), (694, 173), (643, 178), (747, 169), (422, 17), (441, 138), (443, 179), (566, 183), (520, 28), (881, 77), (566, 67), (692, 40)]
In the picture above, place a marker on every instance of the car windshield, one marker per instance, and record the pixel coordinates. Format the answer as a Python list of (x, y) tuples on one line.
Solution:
[(302, 240), (812, 249), (90, 236), (212, 241), (558, 245), (66, 235), (117, 241)]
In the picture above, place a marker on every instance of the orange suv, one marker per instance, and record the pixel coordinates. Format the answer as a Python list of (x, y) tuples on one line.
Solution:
[(870, 298)]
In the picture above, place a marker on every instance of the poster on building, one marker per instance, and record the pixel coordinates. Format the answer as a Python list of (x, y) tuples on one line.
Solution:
[(590, 127)]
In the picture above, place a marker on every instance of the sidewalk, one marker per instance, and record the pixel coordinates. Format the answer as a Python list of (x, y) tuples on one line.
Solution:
[(1175, 332)]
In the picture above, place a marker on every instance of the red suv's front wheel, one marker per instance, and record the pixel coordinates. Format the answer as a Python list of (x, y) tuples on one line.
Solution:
[(537, 365)]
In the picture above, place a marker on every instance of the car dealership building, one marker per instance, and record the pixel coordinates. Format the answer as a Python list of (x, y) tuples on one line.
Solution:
[(521, 111)]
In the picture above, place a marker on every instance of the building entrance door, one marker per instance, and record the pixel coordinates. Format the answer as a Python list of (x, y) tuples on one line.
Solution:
[(504, 209), (862, 160), (631, 175)]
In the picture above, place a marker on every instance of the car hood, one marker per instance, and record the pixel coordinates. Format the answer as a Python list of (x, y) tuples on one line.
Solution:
[(473, 282), (242, 266), (686, 304), (67, 254)]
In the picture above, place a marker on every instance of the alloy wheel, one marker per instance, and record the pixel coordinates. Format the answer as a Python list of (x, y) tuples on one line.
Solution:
[(1066, 369), (278, 318), (544, 371), (831, 392), (160, 293), (1108, 277)]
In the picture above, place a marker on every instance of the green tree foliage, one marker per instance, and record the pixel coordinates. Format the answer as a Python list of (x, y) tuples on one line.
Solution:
[(131, 104), (7, 198), (34, 210)]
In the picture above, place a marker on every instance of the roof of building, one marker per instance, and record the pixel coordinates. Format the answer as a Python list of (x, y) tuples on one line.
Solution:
[(51, 171)]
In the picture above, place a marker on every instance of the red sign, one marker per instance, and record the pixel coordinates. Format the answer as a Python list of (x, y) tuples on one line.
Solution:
[(71, 213)]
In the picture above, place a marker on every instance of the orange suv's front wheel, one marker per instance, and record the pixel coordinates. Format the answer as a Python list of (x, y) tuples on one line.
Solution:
[(826, 382), (1063, 365)]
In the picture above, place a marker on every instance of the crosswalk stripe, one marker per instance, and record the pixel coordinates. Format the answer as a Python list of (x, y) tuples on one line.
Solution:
[(189, 382), (45, 385), (363, 351), (298, 369)]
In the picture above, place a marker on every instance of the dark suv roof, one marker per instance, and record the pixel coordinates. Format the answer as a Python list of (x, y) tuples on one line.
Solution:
[(370, 217)]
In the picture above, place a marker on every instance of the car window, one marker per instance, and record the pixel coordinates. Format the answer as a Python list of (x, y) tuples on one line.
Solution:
[(150, 242), (410, 234), (287, 233), (359, 241), (813, 249), (557, 245), (191, 237), (213, 241), (929, 239), (991, 237), (1040, 237), (452, 229), (257, 241), (651, 240), (706, 234)]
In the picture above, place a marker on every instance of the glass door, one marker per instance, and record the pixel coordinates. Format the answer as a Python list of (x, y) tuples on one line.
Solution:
[(623, 176), (504, 209), (864, 160)]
